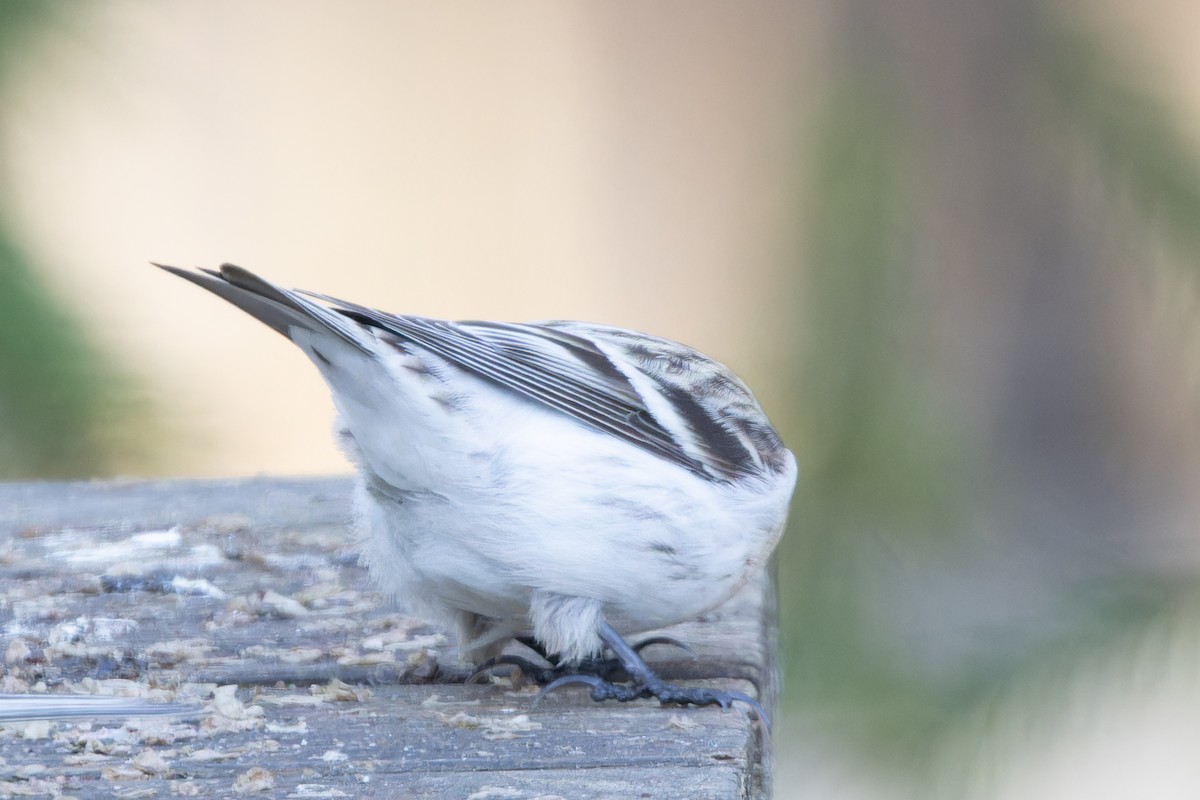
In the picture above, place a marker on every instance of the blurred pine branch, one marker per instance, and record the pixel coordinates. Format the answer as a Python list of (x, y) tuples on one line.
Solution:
[(54, 387), (926, 591), (56, 391), (1125, 129)]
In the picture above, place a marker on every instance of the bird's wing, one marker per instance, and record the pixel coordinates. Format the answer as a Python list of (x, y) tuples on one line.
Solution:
[(565, 367), (655, 394)]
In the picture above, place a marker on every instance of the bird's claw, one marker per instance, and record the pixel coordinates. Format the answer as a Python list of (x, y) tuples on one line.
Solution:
[(644, 643), (665, 693), (642, 682), (604, 668), (535, 673), (596, 683)]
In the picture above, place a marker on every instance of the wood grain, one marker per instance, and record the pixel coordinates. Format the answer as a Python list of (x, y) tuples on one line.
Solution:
[(169, 589)]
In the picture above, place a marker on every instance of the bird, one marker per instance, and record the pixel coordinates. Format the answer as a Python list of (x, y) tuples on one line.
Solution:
[(562, 484)]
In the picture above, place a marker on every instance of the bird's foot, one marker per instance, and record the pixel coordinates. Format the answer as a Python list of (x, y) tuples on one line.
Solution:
[(604, 669), (537, 673), (644, 683), (665, 693)]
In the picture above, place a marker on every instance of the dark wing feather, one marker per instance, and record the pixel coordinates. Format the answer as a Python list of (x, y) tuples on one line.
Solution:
[(710, 423), (266, 302), (555, 367)]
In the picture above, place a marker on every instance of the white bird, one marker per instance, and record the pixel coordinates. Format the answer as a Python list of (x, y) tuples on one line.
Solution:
[(560, 483)]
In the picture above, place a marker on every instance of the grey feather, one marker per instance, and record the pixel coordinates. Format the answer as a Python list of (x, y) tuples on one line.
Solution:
[(556, 364)]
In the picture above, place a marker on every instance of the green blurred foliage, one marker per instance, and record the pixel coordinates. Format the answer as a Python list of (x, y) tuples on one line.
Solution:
[(886, 470), (1110, 112), (57, 393), (55, 390), (894, 483)]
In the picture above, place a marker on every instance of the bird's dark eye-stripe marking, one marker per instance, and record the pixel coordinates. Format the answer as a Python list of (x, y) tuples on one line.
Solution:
[(504, 353), (514, 370), (726, 448)]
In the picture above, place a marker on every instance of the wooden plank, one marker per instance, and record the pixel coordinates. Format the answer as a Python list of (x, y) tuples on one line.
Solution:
[(173, 587)]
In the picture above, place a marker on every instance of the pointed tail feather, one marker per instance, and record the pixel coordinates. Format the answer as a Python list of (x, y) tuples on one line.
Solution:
[(276, 307)]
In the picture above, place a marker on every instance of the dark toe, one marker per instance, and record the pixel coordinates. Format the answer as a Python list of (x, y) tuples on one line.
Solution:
[(533, 672)]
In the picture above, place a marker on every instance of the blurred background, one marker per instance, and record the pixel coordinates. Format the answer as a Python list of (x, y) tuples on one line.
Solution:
[(952, 245)]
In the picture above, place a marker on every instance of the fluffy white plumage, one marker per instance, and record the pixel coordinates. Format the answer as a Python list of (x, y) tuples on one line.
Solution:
[(539, 479)]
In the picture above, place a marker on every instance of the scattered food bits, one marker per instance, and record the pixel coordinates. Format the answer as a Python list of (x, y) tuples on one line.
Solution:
[(255, 779)]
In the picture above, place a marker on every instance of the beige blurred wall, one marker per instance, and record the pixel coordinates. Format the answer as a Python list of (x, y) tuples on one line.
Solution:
[(632, 163), (626, 163), (1159, 38)]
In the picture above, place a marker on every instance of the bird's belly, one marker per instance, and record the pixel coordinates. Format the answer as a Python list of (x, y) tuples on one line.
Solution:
[(646, 571)]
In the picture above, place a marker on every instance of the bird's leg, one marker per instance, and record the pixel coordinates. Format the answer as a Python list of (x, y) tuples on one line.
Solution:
[(537, 647), (644, 683), (607, 669), (537, 673)]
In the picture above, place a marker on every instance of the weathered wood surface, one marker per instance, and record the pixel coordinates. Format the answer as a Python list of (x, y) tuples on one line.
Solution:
[(169, 589)]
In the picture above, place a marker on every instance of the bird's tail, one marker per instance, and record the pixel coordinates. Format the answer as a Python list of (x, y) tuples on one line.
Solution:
[(281, 309)]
